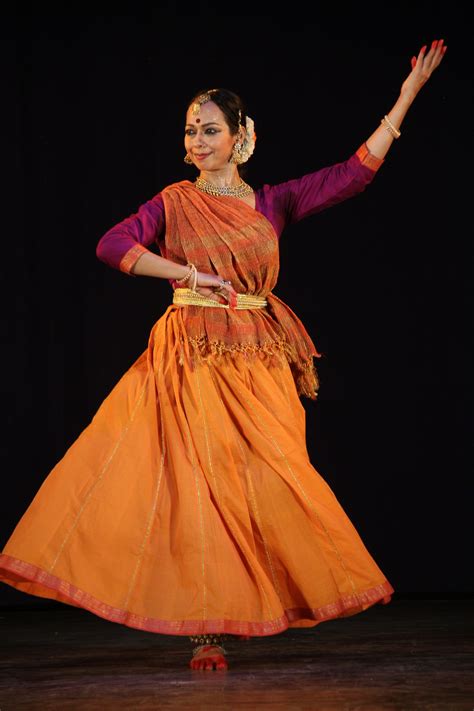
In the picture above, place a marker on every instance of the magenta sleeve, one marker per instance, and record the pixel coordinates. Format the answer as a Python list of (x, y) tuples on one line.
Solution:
[(289, 202), (122, 245)]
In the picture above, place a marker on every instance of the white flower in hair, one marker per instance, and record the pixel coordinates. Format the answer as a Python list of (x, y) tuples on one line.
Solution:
[(250, 138), (245, 145)]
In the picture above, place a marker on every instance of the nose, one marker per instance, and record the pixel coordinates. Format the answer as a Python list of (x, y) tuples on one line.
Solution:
[(197, 140)]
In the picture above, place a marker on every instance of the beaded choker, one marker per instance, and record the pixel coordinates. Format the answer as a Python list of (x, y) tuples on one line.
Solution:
[(239, 190)]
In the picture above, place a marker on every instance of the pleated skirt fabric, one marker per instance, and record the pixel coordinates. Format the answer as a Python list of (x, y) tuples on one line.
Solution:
[(189, 505)]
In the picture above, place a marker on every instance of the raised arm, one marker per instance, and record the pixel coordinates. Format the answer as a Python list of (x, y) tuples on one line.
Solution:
[(421, 69), (295, 199)]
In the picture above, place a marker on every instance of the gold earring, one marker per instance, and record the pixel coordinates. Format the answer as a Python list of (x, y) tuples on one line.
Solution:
[(236, 155), (187, 159)]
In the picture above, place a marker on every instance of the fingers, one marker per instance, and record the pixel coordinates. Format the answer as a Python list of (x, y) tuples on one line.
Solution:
[(207, 291), (223, 295), (422, 51), (227, 290), (215, 296), (440, 51), (228, 294), (224, 285), (417, 62), (437, 50), (428, 62), (221, 292)]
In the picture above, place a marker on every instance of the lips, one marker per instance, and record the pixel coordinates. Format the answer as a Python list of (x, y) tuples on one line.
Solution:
[(201, 156)]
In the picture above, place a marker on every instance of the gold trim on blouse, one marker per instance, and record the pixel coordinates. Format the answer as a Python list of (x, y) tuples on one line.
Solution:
[(367, 158), (130, 257)]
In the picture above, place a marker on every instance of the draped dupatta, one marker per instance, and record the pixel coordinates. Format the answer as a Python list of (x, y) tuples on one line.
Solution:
[(224, 235)]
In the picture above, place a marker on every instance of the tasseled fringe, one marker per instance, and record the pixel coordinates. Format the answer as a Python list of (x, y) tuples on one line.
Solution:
[(306, 378), (272, 350)]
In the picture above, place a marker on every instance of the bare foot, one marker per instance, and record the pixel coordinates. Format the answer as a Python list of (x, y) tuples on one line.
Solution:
[(209, 657)]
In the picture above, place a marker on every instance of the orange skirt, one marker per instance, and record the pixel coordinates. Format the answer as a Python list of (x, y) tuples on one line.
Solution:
[(189, 505)]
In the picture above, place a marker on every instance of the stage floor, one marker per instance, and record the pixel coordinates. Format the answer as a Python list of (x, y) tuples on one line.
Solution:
[(410, 654)]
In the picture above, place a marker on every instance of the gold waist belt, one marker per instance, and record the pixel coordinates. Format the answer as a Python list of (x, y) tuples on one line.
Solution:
[(244, 301)]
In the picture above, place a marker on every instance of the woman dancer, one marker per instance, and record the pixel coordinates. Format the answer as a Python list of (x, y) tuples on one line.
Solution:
[(188, 505)]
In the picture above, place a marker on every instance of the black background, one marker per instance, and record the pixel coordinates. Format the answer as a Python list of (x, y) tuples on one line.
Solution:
[(95, 106)]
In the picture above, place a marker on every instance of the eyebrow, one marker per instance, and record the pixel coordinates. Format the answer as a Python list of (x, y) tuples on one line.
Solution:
[(210, 123)]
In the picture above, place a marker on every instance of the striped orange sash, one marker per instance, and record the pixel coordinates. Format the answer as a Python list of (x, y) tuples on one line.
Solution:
[(223, 235)]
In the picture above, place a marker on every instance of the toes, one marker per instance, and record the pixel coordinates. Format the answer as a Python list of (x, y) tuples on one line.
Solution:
[(216, 661)]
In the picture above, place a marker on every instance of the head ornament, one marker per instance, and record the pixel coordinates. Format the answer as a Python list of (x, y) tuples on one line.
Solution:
[(207, 96)]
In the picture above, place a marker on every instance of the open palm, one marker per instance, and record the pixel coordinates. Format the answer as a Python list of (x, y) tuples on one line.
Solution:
[(423, 66)]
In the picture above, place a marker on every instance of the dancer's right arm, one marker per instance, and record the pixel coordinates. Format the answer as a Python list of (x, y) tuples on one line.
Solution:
[(124, 247), (155, 266), (152, 265), (124, 244)]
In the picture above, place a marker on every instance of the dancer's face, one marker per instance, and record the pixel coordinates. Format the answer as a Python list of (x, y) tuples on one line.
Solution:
[(208, 139)]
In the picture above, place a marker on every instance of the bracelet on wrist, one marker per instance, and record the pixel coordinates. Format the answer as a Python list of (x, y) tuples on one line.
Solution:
[(388, 125), (184, 279), (192, 272)]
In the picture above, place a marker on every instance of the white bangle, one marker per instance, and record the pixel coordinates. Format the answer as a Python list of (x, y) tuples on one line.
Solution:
[(390, 127)]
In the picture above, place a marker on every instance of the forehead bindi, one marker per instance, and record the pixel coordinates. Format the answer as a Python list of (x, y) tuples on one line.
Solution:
[(209, 113)]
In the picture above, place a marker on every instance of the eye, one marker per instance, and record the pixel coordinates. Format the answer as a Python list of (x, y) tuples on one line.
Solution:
[(188, 131), (212, 130)]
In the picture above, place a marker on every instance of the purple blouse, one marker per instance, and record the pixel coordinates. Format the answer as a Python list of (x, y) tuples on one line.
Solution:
[(282, 204)]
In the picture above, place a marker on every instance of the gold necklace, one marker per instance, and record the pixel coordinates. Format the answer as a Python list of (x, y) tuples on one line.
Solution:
[(239, 190)]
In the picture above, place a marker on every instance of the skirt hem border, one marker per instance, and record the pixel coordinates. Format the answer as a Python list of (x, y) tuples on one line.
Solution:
[(67, 593)]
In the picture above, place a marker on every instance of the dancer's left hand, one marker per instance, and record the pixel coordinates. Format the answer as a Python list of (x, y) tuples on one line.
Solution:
[(422, 67)]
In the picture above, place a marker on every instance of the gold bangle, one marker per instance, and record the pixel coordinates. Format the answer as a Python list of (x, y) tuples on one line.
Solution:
[(193, 287), (192, 272), (388, 125), (184, 279)]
